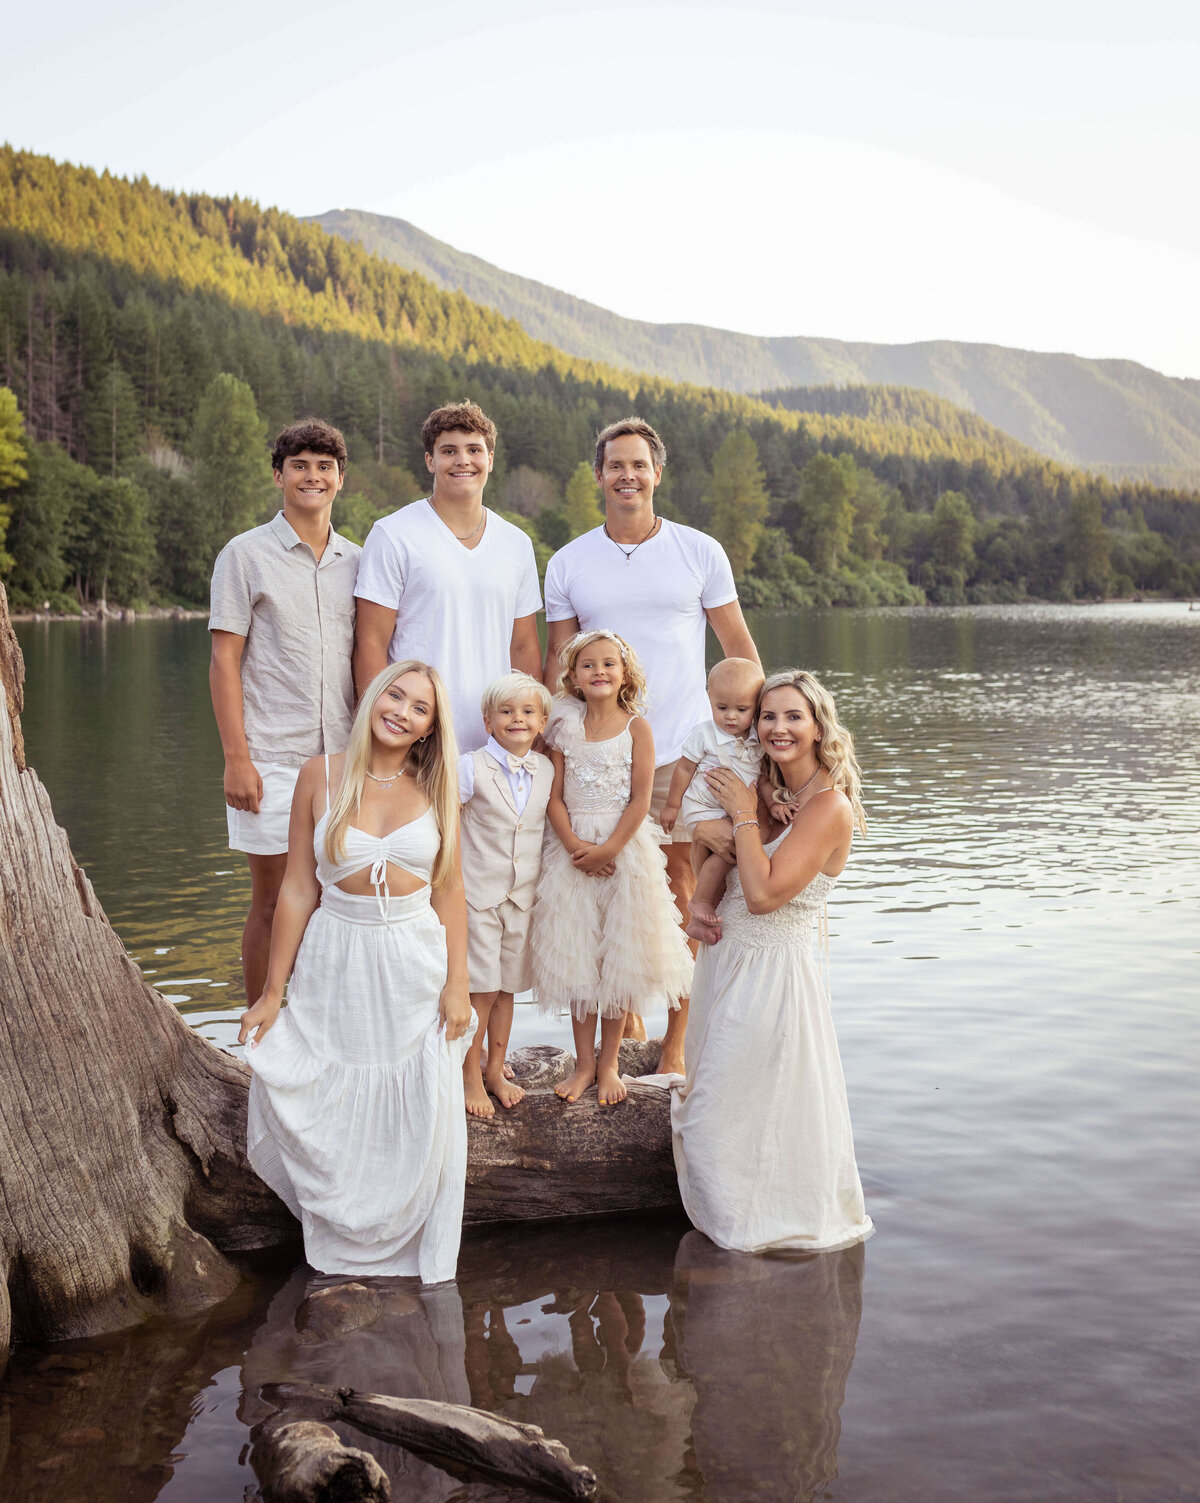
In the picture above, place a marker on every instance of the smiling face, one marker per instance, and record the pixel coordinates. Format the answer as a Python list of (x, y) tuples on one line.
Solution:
[(599, 672), (517, 723), (460, 465), (404, 712), (788, 729), (309, 482), (628, 476)]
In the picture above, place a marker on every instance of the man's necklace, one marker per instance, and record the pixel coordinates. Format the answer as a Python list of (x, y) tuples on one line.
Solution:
[(465, 537), (629, 552)]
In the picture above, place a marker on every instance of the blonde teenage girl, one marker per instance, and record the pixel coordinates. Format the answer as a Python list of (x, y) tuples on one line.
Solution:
[(356, 1112), (606, 934)]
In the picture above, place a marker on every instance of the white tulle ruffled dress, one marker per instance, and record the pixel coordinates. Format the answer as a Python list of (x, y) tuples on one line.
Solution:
[(603, 945), (356, 1116)]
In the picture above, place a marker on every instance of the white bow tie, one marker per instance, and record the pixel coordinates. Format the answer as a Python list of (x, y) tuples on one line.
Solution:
[(528, 763)]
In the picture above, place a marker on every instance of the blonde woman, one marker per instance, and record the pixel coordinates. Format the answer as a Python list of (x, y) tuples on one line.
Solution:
[(607, 939), (356, 1113), (762, 1136)]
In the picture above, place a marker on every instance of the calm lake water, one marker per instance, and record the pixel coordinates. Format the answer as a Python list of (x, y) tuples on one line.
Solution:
[(1016, 954)]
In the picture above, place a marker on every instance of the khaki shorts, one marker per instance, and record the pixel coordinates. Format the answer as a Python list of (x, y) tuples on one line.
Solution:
[(498, 958), (265, 833), (658, 797)]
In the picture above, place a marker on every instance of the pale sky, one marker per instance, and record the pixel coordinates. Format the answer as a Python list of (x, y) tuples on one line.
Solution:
[(1021, 174)]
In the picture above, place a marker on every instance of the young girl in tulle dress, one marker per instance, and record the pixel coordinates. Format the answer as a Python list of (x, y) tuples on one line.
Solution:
[(606, 934)]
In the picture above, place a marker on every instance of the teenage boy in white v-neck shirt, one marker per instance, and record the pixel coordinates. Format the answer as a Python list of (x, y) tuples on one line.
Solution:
[(449, 582), (660, 585)]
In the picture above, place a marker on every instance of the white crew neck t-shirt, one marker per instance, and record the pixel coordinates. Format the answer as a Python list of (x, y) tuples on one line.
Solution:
[(657, 602), (455, 606)]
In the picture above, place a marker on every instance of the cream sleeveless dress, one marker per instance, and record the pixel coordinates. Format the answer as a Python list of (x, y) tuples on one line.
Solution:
[(761, 1125), (356, 1116), (603, 944)]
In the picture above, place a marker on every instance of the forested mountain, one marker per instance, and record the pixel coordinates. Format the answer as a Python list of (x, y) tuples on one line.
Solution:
[(1112, 415), (150, 341)]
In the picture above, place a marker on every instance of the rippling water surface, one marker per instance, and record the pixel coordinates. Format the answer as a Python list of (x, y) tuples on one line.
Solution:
[(1016, 947)]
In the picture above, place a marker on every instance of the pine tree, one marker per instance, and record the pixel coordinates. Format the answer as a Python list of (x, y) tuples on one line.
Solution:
[(826, 510), (581, 501), (12, 464)]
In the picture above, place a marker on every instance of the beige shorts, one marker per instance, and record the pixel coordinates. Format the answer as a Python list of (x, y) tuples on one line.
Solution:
[(498, 958), (658, 797), (265, 833)]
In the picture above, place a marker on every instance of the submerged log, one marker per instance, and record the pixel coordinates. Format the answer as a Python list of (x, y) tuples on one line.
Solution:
[(123, 1173), (500, 1449), (304, 1462)]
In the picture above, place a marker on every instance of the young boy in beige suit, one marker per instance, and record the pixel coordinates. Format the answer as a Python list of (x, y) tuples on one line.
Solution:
[(504, 788)]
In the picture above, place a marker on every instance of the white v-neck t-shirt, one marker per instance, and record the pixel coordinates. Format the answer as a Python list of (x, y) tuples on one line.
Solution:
[(455, 606), (656, 601)]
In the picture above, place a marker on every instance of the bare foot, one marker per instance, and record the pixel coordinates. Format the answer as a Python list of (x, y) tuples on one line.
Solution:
[(507, 1071), (611, 1087), (704, 933), (671, 1063), (501, 1087), (705, 912), (478, 1101), (573, 1088), (635, 1027)]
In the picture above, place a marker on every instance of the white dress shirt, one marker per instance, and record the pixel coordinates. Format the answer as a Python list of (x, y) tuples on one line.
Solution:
[(521, 781)]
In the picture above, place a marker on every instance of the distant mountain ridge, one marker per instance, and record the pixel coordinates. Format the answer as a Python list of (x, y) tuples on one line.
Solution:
[(1111, 415)]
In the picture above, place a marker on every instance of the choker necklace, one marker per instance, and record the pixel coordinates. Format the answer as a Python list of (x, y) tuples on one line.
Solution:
[(385, 783), (629, 552)]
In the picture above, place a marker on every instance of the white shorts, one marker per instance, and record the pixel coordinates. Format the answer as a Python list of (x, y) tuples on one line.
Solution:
[(658, 797), (498, 958), (265, 833)]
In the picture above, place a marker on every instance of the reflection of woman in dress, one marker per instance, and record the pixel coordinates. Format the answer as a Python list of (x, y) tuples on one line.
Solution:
[(356, 1112), (761, 1125)]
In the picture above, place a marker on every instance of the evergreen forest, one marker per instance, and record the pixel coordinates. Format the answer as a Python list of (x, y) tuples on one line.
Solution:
[(152, 342)]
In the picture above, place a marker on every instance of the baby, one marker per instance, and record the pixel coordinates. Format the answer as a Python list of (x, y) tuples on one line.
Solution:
[(504, 789), (727, 740)]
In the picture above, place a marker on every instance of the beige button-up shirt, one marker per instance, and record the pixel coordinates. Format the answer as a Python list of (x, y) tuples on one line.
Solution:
[(297, 616)]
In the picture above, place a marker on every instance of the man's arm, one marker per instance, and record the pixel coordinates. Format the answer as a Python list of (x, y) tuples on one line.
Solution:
[(557, 632), (373, 628), (732, 632), (525, 651), (243, 786)]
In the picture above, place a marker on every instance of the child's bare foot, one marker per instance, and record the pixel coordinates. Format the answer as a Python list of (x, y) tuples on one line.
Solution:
[(501, 1086), (703, 910), (507, 1071), (707, 933), (611, 1088), (583, 1079), (635, 1027), (478, 1101)]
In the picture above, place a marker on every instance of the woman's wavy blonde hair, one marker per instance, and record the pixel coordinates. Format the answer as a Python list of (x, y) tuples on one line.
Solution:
[(835, 749), (433, 761), (631, 696)]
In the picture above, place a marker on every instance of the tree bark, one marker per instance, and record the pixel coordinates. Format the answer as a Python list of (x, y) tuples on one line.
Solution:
[(306, 1462), (123, 1174)]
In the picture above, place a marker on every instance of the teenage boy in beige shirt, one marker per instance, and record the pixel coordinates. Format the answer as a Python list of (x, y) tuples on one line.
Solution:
[(282, 625)]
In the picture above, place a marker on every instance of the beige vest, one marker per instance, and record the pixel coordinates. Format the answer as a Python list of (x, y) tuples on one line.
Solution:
[(501, 853)]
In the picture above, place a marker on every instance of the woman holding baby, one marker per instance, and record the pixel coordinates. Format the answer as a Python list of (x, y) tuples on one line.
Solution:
[(762, 1136)]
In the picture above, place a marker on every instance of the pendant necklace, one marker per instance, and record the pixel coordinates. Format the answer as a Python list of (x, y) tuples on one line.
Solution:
[(792, 797), (385, 783), (629, 552)]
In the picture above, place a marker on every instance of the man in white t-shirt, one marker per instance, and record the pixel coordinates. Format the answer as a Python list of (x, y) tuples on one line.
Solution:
[(658, 584), (449, 582)]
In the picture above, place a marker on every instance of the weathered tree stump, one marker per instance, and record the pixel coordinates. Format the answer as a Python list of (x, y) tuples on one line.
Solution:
[(123, 1173)]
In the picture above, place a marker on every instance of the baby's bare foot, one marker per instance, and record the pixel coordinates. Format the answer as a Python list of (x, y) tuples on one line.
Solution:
[(611, 1088), (478, 1102), (705, 933), (501, 1086), (573, 1088), (702, 910)]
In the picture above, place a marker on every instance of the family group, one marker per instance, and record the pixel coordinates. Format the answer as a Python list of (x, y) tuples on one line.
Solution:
[(436, 818)]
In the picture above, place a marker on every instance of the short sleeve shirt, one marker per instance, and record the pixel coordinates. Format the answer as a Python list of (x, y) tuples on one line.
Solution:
[(656, 601), (708, 746), (297, 616), (455, 606)]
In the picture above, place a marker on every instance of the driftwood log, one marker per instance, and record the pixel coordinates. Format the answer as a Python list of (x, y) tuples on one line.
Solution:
[(500, 1449), (123, 1174), (305, 1462)]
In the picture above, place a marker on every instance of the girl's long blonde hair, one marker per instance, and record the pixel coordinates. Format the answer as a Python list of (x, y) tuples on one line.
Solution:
[(433, 761), (835, 750), (631, 696)]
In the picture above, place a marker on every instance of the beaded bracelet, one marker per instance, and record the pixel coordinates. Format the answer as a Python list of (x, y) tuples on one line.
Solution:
[(745, 824)]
